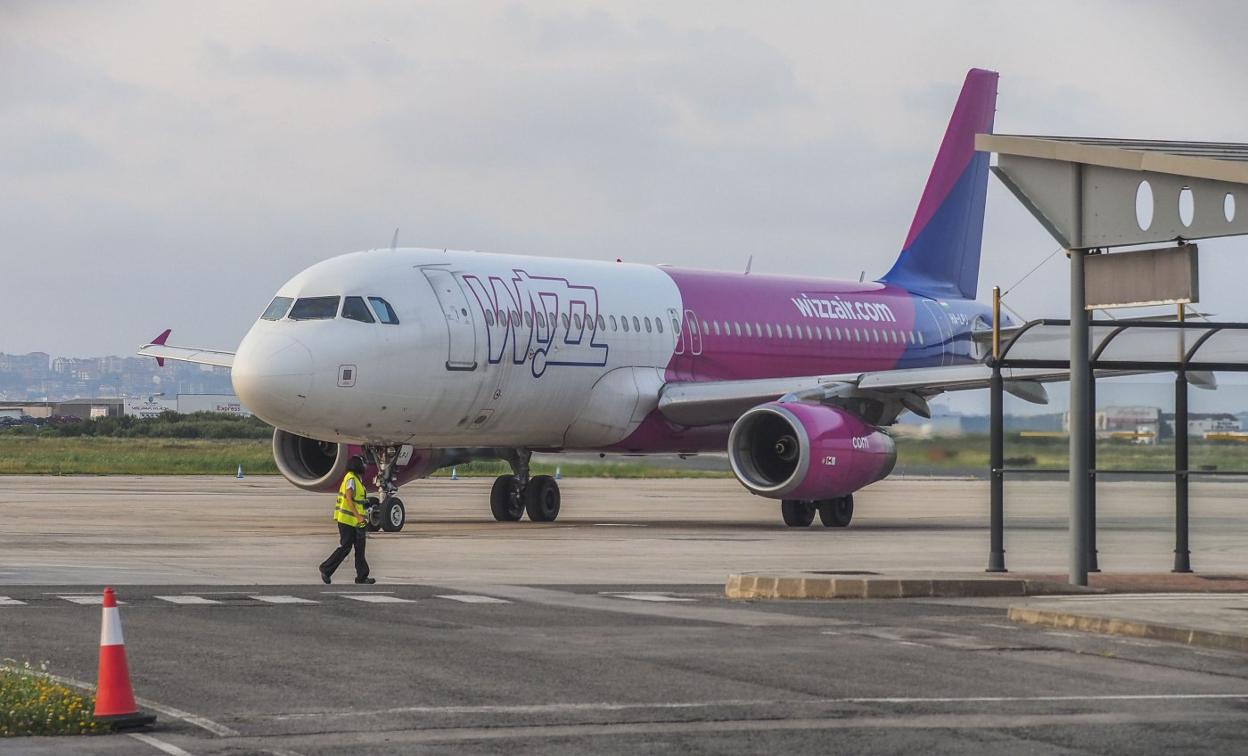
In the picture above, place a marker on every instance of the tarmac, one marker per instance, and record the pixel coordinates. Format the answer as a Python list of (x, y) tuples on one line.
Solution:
[(610, 630)]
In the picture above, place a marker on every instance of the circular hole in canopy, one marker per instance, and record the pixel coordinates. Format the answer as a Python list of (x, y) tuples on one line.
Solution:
[(1144, 205), (1187, 206), (1228, 207)]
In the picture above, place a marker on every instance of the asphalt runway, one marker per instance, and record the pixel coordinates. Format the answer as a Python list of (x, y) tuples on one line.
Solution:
[(604, 632)]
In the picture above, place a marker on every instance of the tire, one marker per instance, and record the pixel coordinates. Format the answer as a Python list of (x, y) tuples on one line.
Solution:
[(373, 509), (796, 513), (541, 499), (503, 505), (836, 513), (393, 515)]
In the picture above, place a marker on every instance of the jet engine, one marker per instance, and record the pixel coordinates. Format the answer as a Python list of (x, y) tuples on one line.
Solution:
[(810, 452), (319, 465)]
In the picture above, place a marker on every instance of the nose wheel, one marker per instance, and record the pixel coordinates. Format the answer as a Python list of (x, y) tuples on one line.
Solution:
[(512, 496)]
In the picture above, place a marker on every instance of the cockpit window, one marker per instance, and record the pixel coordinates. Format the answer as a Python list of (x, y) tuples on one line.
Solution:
[(353, 308), (314, 308), (385, 313), (277, 308)]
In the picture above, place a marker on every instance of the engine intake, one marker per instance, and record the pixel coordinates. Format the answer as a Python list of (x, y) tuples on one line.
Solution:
[(793, 450), (311, 464)]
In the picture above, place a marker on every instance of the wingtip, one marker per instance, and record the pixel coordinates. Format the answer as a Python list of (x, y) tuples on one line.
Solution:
[(160, 340)]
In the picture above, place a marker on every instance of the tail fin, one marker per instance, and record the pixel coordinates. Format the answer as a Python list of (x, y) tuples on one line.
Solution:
[(941, 255)]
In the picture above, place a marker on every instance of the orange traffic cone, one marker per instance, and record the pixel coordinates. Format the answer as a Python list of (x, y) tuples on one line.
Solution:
[(114, 698)]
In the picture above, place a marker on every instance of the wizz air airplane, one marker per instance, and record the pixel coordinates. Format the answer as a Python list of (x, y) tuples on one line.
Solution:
[(420, 359)]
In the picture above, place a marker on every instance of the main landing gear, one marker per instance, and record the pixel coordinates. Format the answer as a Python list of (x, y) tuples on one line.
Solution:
[(388, 512), (514, 495), (833, 513)]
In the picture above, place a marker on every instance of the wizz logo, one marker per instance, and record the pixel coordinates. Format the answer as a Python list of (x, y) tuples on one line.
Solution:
[(543, 320)]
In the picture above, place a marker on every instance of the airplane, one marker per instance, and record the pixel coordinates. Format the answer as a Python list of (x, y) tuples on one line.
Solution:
[(420, 359)]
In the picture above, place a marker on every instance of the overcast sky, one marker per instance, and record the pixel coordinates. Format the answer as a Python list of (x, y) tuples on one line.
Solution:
[(171, 164)]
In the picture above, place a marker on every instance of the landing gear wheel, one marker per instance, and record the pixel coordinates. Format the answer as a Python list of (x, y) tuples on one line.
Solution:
[(505, 505), (393, 515), (541, 498), (836, 513), (796, 513), (373, 509)]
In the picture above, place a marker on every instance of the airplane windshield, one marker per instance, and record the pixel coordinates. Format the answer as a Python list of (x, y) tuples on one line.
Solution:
[(314, 308), (353, 308), (277, 308), (385, 313)]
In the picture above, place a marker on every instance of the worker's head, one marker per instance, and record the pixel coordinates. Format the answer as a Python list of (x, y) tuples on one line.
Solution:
[(356, 465)]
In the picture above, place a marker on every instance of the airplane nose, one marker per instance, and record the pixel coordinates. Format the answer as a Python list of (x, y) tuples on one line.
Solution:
[(272, 375)]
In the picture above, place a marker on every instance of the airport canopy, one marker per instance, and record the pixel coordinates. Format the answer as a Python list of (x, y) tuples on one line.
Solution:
[(1134, 346), (1091, 192)]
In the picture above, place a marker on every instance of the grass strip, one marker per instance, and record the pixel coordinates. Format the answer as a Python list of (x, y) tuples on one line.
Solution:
[(32, 703)]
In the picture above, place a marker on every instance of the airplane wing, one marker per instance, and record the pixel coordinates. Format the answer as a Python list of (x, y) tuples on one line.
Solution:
[(716, 402), (161, 351)]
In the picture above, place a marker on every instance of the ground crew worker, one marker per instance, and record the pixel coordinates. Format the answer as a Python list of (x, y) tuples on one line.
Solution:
[(352, 524)]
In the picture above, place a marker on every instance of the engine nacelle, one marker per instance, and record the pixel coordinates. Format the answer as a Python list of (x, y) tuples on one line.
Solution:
[(319, 465), (793, 450)]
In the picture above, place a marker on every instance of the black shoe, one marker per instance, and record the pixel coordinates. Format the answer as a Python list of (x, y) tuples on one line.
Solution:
[(324, 577), (365, 581)]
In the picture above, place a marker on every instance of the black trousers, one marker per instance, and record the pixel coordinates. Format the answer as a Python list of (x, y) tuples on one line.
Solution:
[(348, 537)]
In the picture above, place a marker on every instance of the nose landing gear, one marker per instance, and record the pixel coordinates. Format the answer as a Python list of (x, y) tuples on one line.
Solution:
[(388, 514), (514, 495)]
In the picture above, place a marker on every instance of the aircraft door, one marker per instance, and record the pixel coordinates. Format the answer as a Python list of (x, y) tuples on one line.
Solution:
[(943, 329), (688, 342), (461, 330)]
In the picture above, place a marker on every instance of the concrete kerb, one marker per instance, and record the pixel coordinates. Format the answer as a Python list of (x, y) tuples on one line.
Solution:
[(755, 587), (1132, 628)]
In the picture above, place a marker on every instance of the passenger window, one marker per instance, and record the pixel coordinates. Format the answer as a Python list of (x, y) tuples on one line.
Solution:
[(277, 308), (921, 339), (747, 330), (706, 327), (314, 308), (788, 330), (736, 327), (602, 324), (624, 322), (818, 333), (658, 324), (576, 322), (489, 317), (528, 319), (353, 308), (675, 326), (715, 326), (768, 325), (613, 325), (563, 318), (647, 322), (636, 324), (385, 313), (541, 319)]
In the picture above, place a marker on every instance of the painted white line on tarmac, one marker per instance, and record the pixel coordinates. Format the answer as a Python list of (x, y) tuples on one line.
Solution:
[(376, 598), (1152, 596), (87, 600), (656, 597), (160, 745), (610, 706), (283, 599), (188, 600), (6, 601), (467, 598), (192, 719)]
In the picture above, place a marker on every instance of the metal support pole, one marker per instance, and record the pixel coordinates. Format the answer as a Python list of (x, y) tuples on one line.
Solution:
[(1091, 532), (996, 454), (1080, 422), (1182, 556), (996, 448)]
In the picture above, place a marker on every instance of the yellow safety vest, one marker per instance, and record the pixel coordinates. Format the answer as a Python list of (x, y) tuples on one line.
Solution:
[(342, 510)]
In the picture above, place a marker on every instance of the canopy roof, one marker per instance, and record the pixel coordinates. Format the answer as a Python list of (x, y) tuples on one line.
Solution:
[(1132, 345)]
